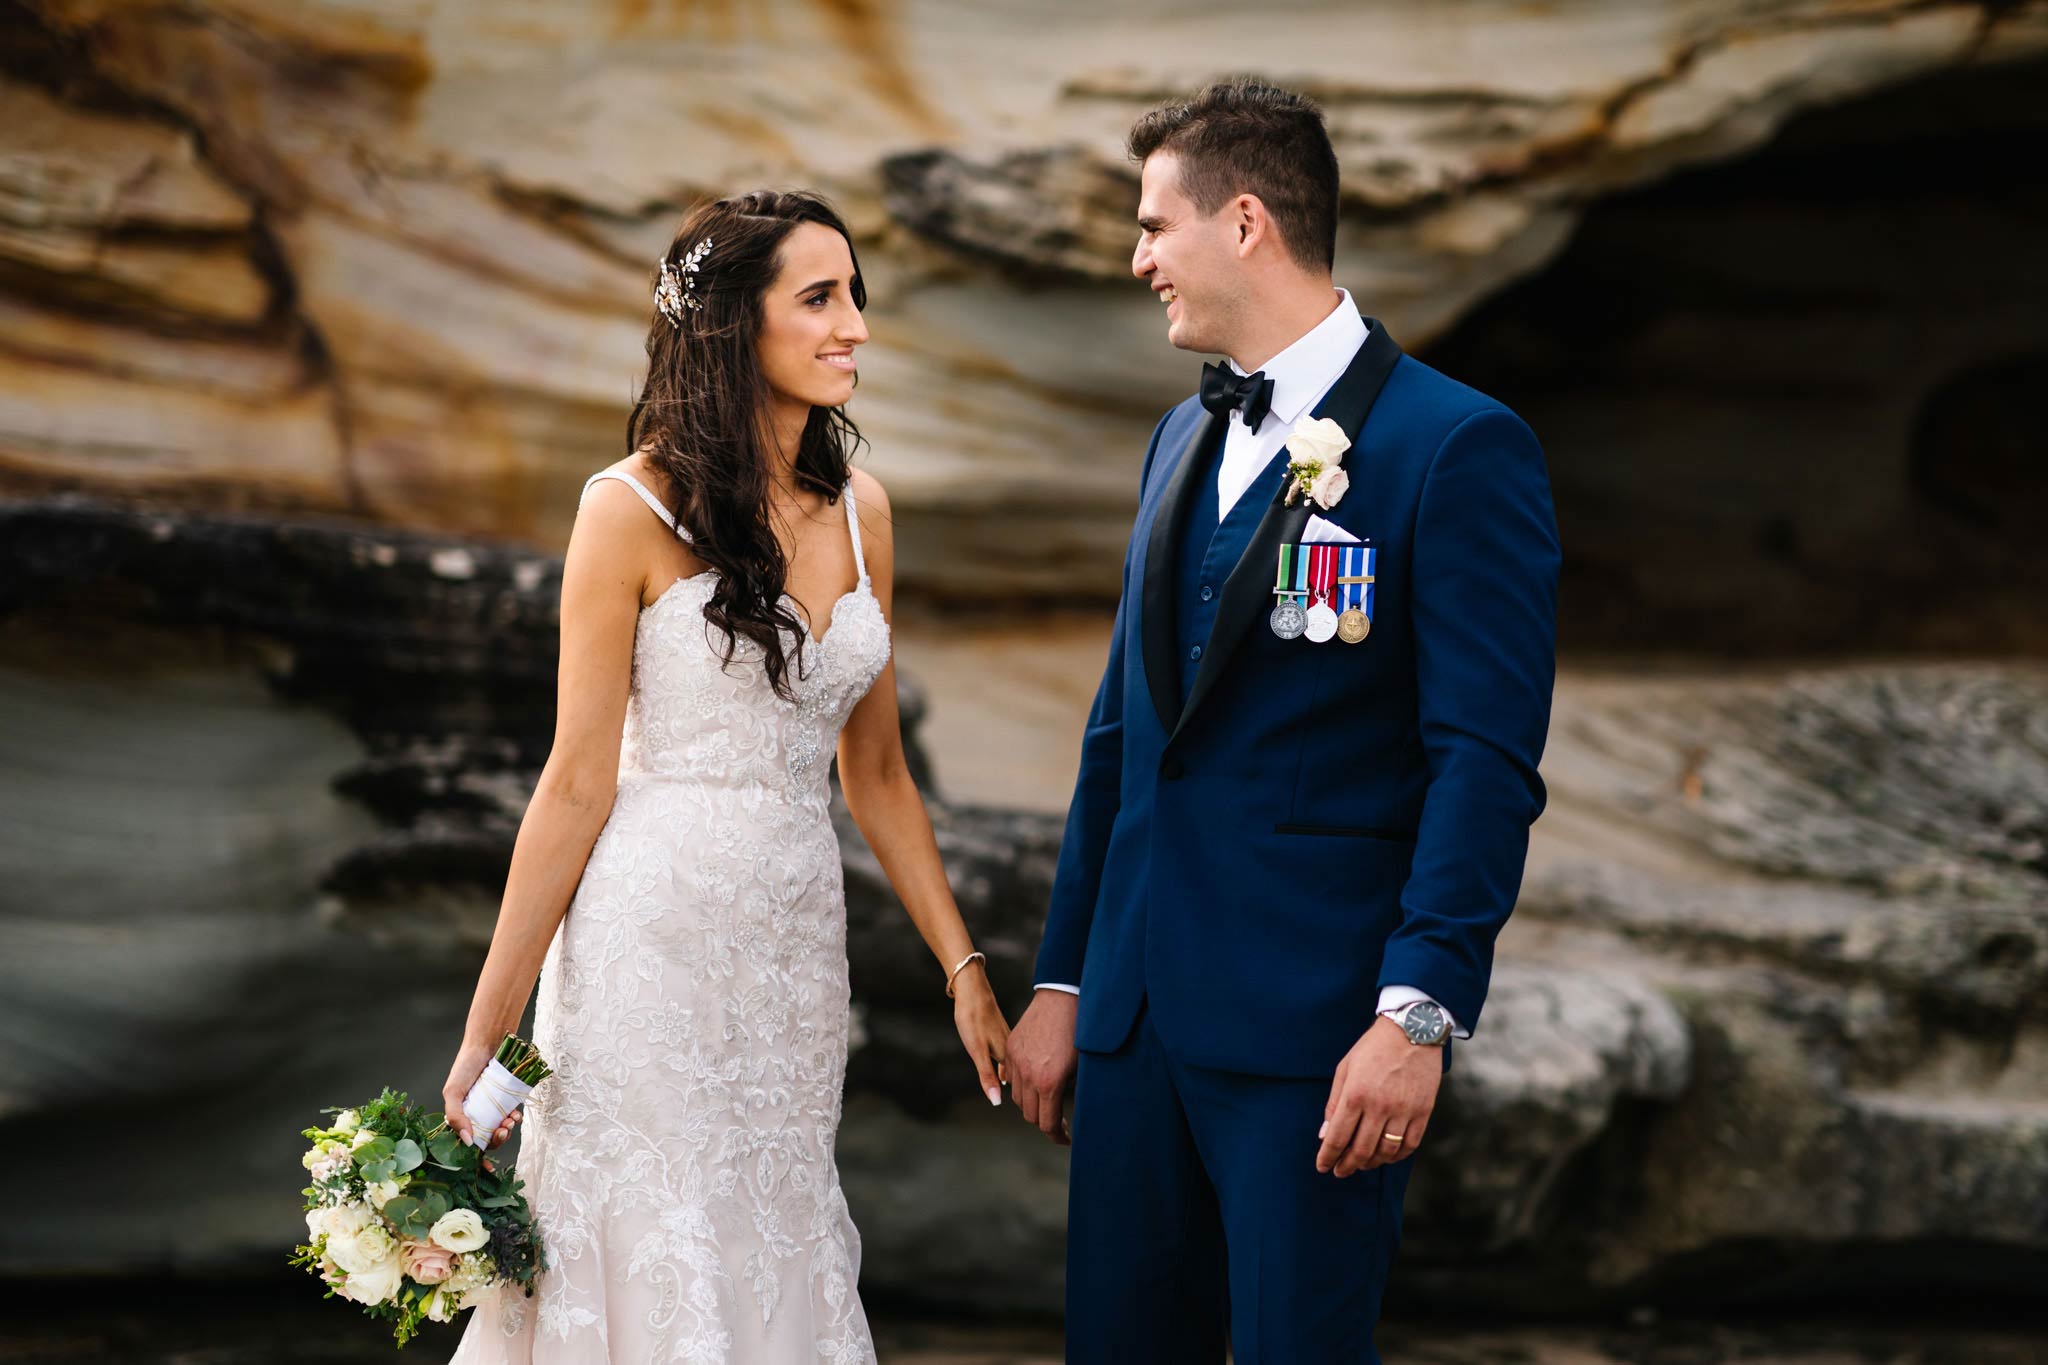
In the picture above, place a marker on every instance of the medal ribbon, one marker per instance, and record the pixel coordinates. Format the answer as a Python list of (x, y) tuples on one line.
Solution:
[(1322, 572), (1301, 559), (1286, 577), (1358, 565)]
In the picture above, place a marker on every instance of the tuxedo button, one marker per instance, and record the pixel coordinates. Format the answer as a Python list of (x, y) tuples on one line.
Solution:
[(1207, 592), (1172, 769), (1195, 653)]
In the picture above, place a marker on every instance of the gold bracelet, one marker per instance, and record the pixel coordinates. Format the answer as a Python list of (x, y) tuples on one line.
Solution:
[(952, 975)]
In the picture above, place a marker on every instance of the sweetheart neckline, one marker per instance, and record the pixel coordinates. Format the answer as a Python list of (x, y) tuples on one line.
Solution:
[(831, 617)]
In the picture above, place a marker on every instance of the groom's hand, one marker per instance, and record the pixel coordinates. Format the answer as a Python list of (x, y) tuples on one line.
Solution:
[(1042, 1061), (1384, 1085)]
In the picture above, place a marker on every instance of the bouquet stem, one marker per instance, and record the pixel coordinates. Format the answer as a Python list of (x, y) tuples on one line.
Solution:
[(507, 1080)]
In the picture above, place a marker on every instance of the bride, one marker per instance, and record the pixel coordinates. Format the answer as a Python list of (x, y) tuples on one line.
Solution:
[(676, 885)]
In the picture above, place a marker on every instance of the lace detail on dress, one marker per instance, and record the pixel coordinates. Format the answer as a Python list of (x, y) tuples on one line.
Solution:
[(695, 1007)]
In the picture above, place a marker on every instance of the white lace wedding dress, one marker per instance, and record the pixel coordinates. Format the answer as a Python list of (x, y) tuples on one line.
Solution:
[(694, 1007)]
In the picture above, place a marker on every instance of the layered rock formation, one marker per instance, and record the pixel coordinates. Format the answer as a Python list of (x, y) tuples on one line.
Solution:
[(316, 317), (1766, 1024), (394, 261)]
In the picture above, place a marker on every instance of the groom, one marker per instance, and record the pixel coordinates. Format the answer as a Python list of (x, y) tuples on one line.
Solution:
[(1306, 782)]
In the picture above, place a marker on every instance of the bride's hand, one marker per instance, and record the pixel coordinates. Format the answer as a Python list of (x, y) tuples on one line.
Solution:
[(469, 1064), (983, 1030)]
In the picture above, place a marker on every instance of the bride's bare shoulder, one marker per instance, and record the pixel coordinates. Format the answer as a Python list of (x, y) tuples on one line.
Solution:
[(871, 500), (642, 467)]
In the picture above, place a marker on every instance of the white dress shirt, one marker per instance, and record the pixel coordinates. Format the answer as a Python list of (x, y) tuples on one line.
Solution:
[(1301, 375)]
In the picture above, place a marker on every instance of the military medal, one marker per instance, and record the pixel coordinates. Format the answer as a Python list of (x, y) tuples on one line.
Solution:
[(1320, 624), (1288, 619), (1355, 585)]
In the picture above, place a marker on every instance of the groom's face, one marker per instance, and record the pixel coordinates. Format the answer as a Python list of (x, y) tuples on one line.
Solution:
[(1190, 259)]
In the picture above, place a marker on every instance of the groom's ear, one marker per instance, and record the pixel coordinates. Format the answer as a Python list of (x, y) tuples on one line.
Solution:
[(1253, 222)]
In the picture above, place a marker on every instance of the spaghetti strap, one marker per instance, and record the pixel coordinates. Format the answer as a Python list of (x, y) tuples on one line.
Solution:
[(667, 517), (853, 525)]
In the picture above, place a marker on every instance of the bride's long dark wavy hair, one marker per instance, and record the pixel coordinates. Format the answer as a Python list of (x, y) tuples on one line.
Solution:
[(702, 416)]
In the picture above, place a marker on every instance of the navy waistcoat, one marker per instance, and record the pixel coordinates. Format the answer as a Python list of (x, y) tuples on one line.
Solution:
[(1209, 550)]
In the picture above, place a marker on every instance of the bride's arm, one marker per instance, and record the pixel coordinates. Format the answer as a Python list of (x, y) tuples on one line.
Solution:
[(889, 809), (603, 577)]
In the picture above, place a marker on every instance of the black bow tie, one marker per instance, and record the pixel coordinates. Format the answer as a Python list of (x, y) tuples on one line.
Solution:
[(1224, 388)]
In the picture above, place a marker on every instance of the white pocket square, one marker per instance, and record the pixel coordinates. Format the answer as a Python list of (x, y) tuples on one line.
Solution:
[(1320, 532)]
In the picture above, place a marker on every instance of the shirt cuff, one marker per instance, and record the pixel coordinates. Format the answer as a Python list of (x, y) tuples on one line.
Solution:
[(1394, 997), (1056, 986)]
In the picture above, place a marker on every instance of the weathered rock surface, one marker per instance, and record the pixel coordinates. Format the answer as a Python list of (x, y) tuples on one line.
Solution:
[(1766, 1025), (1838, 879), (393, 261)]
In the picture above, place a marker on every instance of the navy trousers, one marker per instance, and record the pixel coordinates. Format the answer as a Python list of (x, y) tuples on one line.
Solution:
[(1196, 1216)]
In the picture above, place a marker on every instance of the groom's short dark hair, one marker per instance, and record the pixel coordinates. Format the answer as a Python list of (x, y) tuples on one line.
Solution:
[(1243, 136)]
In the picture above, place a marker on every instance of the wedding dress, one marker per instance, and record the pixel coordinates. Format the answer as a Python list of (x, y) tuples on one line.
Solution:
[(694, 1007)]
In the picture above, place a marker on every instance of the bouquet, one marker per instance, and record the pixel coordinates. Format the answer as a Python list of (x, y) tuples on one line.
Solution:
[(403, 1217)]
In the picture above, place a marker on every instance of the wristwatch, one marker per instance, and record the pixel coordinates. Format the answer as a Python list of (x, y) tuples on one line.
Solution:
[(1424, 1021)]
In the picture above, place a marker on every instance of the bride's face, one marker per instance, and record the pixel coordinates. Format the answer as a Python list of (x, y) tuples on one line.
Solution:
[(809, 324)]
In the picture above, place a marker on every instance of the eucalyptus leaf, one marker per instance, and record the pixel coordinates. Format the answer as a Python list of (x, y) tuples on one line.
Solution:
[(407, 1154)]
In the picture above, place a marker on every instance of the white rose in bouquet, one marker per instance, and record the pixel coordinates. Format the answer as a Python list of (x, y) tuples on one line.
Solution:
[(381, 1192), (363, 1137), (346, 1220), (341, 1249), (458, 1230), (377, 1283), (358, 1251), (346, 1122), (441, 1307)]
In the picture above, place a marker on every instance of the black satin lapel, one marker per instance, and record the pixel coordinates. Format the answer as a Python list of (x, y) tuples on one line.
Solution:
[(1162, 670), (1247, 593)]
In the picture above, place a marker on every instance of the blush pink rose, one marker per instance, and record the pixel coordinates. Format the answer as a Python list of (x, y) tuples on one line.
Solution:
[(425, 1262), (1329, 486)]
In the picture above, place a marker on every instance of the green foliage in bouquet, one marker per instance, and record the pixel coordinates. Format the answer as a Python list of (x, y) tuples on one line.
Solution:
[(411, 1197)]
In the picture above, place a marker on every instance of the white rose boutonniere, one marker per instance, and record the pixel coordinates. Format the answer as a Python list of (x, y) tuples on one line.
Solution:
[(1315, 452)]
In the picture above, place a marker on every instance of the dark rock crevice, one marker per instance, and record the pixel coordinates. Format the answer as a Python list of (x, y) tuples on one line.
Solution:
[(1787, 401)]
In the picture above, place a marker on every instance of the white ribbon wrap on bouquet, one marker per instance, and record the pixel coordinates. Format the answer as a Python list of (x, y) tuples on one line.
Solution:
[(495, 1094)]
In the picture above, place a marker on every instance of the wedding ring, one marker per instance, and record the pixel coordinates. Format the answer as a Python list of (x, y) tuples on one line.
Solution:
[(1390, 1137)]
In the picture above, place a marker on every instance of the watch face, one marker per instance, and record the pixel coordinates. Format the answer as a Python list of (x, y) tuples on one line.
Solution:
[(1424, 1022)]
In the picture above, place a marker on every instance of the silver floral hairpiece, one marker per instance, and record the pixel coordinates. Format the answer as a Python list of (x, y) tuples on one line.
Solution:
[(677, 290)]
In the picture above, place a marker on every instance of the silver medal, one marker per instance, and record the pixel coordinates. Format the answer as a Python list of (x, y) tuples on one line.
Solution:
[(1320, 623), (1289, 621)]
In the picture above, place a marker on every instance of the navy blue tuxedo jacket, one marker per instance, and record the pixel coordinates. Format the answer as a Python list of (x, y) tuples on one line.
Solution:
[(1258, 842)]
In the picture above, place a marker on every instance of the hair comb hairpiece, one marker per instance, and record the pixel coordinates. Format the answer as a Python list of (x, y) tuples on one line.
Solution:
[(677, 290)]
